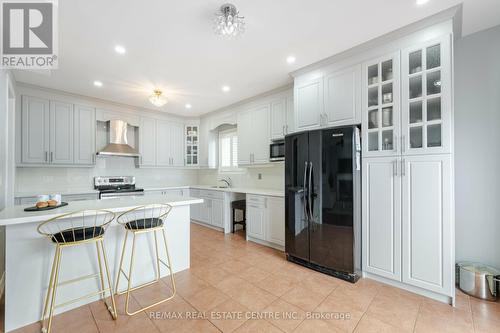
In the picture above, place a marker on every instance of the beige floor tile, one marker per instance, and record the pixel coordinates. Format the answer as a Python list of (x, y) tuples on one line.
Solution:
[(484, 309), (317, 326), (257, 326), (253, 274), (304, 298), (399, 312), (235, 266), (150, 294), (356, 297), (462, 302), (483, 325), (320, 283), (369, 324), (228, 315), (123, 323), (77, 320), (276, 285), (190, 285), (343, 316), (207, 298), (252, 297), (439, 317), (285, 316), (231, 284)]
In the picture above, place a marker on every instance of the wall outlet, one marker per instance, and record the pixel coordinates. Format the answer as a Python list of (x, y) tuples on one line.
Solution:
[(259, 176)]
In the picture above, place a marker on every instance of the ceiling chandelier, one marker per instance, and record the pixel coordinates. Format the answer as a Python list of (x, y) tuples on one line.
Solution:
[(227, 22), (157, 98)]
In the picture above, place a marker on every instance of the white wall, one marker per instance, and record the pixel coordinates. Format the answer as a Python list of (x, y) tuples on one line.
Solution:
[(477, 139), (272, 177), (3, 136)]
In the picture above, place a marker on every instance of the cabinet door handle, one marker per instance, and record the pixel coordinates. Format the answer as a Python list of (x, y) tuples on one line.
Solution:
[(51, 157), (395, 143), (395, 168), (403, 167), (46, 156), (403, 143)]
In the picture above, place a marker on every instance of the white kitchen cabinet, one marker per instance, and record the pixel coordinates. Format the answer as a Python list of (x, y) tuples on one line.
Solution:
[(192, 135), (343, 97), (381, 106), (276, 220), (426, 98), (253, 135), (308, 104), (427, 222), (278, 118), (163, 143), (177, 144), (61, 133), (35, 130), (147, 142), (217, 213), (84, 138), (381, 216), (282, 122), (256, 221)]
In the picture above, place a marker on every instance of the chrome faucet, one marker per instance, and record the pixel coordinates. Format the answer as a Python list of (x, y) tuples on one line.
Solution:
[(227, 181)]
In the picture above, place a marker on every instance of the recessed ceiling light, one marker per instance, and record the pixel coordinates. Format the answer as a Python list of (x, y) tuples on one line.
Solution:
[(188, 106), (422, 2), (290, 59), (120, 49), (226, 88), (98, 83)]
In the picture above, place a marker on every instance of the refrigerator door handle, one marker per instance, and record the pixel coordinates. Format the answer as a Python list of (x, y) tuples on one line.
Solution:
[(304, 190), (309, 191)]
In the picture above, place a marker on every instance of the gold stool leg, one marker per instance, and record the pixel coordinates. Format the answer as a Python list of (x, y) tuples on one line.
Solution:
[(130, 278), (169, 264), (113, 304), (54, 288), (120, 268), (49, 288)]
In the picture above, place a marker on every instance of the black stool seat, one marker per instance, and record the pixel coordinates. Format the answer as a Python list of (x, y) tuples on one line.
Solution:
[(239, 205), (77, 234), (142, 224)]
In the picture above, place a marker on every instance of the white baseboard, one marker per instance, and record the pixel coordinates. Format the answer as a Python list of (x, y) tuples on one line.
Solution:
[(426, 293), (207, 225), (266, 243)]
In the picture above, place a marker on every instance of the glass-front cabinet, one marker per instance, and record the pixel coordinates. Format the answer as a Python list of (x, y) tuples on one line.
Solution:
[(192, 145), (380, 120), (426, 98)]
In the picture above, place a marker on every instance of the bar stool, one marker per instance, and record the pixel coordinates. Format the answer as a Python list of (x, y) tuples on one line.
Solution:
[(143, 220), (75, 229), (239, 205)]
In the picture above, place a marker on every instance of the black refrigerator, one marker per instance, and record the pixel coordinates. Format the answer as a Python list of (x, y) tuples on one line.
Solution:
[(323, 201)]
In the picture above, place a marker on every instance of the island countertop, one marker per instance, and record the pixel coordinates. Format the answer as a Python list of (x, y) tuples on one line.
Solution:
[(17, 215)]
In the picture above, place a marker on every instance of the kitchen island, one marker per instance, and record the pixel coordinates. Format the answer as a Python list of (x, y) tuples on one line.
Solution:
[(29, 255)]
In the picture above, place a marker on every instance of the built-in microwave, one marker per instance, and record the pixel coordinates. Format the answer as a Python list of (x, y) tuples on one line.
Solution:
[(277, 151)]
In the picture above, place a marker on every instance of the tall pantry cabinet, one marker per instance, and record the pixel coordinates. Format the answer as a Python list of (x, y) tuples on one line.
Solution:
[(408, 168)]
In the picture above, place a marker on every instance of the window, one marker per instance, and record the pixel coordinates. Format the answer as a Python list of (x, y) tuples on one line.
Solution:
[(228, 150)]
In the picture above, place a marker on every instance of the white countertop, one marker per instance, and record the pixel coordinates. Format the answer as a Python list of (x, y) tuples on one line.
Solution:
[(246, 190), (17, 215)]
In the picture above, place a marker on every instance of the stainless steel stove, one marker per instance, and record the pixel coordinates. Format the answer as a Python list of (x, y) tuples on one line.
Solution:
[(116, 186)]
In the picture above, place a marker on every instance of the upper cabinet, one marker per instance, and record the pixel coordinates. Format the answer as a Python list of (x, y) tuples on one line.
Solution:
[(426, 98), (192, 145), (330, 100), (281, 122), (56, 133), (161, 143), (342, 93), (254, 135), (381, 106), (308, 104), (84, 138)]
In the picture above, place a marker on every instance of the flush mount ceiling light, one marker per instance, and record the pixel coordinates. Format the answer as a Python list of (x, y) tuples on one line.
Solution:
[(188, 106), (290, 59), (227, 22), (226, 88), (422, 2), (98, 83), (120, 49), (157, 98)]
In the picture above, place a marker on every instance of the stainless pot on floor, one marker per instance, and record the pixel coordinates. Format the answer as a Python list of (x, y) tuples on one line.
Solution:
[(478, 280)]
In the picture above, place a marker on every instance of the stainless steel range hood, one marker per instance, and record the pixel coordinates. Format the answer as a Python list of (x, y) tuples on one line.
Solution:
[(118, 145)]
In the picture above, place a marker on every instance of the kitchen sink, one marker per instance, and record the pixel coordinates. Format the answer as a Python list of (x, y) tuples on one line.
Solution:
[(215, 186)]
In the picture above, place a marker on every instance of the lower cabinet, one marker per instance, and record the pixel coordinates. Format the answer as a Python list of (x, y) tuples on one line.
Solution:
[(408, 220), (266, 219), (212, 210)]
